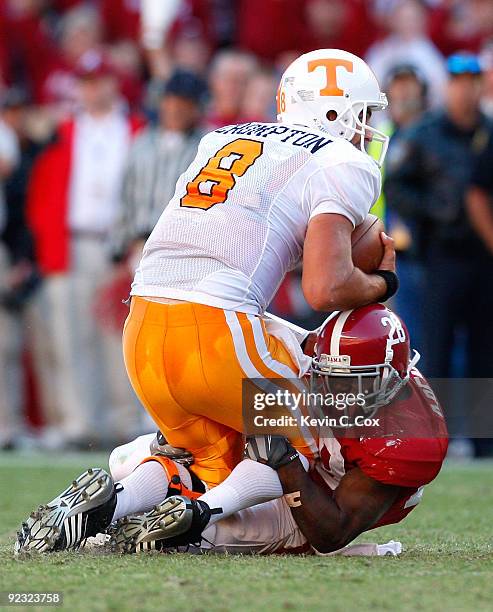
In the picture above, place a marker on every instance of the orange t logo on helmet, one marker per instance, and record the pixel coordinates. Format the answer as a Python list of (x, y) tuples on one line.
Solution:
[(330, 65)]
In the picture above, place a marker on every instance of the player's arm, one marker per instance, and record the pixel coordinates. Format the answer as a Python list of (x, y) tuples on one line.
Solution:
[(330, 281), (330, 523)]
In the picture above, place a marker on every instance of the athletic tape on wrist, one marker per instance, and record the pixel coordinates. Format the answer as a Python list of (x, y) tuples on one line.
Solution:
[(293, 499)]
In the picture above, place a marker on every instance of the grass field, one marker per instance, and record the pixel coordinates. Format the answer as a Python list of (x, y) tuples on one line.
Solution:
[(447, 563)]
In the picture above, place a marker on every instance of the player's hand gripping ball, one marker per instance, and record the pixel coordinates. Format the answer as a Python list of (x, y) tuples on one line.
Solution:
[(366, 244)]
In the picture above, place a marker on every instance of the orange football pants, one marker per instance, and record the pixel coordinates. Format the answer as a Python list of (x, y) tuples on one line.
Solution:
[(186, 363)]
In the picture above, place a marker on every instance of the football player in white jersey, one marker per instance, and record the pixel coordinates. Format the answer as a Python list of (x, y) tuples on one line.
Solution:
[(256, 200)]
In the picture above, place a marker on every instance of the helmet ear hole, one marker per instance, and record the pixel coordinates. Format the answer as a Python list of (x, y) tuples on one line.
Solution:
[(331, 115)]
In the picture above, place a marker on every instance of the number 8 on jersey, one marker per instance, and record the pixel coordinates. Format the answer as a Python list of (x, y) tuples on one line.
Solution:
[(213, 183)]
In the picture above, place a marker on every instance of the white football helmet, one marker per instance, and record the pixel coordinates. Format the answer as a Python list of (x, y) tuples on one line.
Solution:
[(332, 90)]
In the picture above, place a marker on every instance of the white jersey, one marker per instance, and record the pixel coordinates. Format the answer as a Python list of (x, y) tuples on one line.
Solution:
[(238, 219)]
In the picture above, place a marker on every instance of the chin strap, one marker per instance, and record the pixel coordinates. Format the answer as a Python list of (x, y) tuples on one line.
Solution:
[(416, 357)]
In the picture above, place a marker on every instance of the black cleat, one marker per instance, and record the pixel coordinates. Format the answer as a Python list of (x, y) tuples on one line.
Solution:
[(83, 510), (177, 521)]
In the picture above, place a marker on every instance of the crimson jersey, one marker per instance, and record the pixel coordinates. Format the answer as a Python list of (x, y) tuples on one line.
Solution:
[(410, 458)]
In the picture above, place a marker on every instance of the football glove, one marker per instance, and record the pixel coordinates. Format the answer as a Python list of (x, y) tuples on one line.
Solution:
[(274, 451)]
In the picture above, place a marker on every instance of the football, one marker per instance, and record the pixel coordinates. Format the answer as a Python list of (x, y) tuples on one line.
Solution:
[(366, 244)]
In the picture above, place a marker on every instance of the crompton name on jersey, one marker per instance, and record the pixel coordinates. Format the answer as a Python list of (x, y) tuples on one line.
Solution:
[(299, 138)]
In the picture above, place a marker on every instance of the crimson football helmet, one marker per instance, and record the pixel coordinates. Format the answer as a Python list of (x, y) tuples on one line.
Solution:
[(365, 350)]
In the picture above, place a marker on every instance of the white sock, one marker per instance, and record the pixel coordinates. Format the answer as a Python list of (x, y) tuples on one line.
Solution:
[(145, 487), (249, 484)]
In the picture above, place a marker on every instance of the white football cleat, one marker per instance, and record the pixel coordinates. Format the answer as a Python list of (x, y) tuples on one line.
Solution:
[(177, 521), (83, 509)]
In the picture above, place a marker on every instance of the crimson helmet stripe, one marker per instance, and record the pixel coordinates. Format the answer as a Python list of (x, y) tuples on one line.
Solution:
[(335, 341)]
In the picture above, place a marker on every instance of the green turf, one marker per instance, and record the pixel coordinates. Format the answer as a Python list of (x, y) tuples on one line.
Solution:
[(447, 564)]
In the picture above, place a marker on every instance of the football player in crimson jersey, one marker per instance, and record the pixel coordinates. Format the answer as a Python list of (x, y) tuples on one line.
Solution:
[(364, 477), (275, 500)]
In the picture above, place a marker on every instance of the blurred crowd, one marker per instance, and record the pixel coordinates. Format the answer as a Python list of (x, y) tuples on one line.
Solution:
[(102, 105)]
